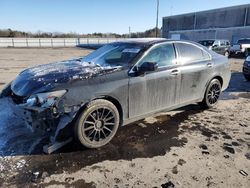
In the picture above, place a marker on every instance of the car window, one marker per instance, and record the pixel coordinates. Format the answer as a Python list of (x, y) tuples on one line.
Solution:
[(114, 54), (206, 43), (206, 56), (163, 55), (216, 43), (189, 53), (222, 43)]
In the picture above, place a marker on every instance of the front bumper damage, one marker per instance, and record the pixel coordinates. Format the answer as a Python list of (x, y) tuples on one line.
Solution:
[(52, 121)]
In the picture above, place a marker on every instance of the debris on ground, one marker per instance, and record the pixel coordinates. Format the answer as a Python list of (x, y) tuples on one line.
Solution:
[(226, 156), (242, 125), (35, 176), (168, 185), (247, 155), (181, 162), (229, 149), (161, 131), (175, 170), (243, 173), (142, 125), (205, 153), (203, 146), (20, 164)]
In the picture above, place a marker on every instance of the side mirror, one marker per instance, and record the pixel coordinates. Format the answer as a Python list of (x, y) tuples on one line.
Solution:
[(148, 67), (215, 46)]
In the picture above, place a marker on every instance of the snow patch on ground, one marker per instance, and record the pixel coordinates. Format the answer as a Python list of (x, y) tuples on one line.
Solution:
[(8, 119), (15, 137)]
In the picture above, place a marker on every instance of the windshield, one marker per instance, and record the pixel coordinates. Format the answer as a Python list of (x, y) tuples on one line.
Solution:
[(206, 42), (115, 54)]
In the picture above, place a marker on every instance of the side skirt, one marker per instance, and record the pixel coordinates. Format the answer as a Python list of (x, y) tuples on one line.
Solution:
[(129, 121)]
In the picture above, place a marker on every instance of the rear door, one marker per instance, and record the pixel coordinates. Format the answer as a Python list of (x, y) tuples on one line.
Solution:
[(196, 67), (156, 90)]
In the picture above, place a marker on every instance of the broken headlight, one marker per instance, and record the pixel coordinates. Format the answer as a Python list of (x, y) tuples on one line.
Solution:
[(45, 99)]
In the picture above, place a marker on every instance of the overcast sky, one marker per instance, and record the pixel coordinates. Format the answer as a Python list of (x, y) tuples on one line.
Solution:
[(88, 16)]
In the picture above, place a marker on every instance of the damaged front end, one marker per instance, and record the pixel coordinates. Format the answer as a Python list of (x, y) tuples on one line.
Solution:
[(43, 107), (41, 93), (46, 112)]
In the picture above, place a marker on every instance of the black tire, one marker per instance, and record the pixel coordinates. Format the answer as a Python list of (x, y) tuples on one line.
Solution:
[(97, 124), (212, 94), (247, 77)]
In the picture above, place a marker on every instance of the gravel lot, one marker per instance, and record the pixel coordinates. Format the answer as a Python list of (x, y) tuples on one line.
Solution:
[(188, 147)]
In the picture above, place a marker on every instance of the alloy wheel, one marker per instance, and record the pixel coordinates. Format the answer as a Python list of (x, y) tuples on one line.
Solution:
[(99, 125), (213, 93)]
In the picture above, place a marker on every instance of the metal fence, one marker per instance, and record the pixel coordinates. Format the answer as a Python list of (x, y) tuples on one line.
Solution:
[(53, 42)]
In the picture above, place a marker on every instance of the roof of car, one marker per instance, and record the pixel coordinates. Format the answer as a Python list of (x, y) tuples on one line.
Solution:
[(148, 41), (213, 39)]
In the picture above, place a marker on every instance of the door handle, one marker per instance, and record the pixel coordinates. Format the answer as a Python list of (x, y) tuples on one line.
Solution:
[(209, 65), (175, 72)]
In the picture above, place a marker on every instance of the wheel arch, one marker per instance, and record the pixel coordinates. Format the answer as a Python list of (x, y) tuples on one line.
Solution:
[(218, 77), (117, 105), (108, 98)]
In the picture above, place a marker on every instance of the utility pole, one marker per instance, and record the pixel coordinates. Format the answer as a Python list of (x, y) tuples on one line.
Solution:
[(157, 17), (129, 31)]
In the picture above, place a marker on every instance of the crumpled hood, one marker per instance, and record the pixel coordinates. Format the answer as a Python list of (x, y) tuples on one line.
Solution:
[(44, 78)]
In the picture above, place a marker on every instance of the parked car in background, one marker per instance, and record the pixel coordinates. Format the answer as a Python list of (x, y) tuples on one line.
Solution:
[(118, 84), (246, 68), (218, 45), (242, 47)]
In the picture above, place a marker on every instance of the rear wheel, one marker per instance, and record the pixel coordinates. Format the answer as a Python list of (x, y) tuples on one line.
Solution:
[(97, 124), (212, 94)]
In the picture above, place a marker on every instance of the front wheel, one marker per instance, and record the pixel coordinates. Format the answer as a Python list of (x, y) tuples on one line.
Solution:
[(97, 124), (212, 94)]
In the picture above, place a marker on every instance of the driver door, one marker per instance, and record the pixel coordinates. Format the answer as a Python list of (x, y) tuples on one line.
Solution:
[(154, 91)]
